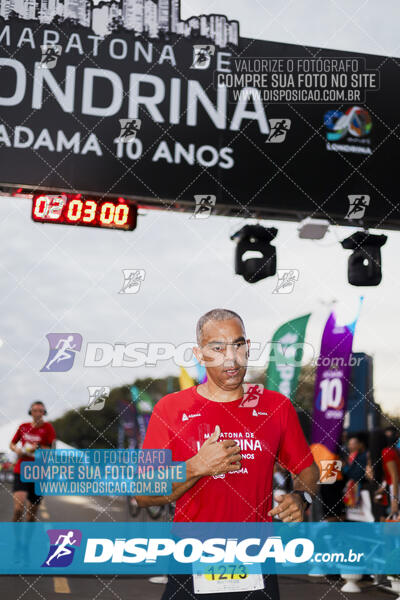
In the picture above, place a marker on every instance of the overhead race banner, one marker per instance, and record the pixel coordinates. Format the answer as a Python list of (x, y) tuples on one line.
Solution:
[(125, 99), (285, 357), (331, 388)]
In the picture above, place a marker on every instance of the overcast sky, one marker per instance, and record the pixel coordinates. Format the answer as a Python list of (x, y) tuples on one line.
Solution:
[(66, 279)]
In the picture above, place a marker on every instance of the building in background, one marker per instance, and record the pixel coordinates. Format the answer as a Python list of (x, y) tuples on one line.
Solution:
[(153, 18)]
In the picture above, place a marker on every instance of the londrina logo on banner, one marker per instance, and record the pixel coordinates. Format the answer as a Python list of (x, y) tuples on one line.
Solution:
[(351, 127)]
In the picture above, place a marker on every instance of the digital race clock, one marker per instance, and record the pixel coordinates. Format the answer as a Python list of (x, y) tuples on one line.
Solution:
[(67, 209)]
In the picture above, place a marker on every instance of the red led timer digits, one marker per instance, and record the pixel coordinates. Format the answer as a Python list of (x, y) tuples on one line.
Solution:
[(76, 211), (48, 207), (85, 211)]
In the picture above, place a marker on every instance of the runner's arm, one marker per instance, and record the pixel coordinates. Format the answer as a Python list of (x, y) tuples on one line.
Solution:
[(16, 449), (306, 480), (178, 489), (291, 507), (213, 458), (14, 442), (394, 501)]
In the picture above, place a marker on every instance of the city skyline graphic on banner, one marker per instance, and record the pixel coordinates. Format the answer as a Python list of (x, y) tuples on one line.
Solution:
[(153, 19)]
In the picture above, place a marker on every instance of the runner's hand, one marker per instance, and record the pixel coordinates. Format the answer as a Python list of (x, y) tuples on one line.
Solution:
[(290, 508), (216, 458)]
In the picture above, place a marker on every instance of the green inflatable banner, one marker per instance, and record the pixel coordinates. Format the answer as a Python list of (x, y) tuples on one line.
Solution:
[(285, 357)]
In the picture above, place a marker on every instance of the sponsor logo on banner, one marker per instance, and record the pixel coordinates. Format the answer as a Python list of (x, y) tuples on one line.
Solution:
[(63, 347), (62, 547), (351, 128)]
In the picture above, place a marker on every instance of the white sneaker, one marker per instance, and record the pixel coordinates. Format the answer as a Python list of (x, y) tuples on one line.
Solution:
[(163, 579)]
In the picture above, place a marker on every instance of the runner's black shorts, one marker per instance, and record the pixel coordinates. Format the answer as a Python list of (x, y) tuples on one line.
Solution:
[(180, 587), (26, 486), (332, 500)]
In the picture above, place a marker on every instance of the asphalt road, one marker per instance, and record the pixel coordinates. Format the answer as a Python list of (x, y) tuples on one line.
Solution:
[(99, 587)]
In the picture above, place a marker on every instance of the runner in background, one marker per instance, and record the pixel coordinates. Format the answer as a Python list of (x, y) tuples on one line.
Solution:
[(392, 434), (354, 470), (383, 472), (28, 437), (391, 468)]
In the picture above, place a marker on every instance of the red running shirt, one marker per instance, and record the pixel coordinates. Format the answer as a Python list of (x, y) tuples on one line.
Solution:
[(28, 434), (268, 432), (388, 455)]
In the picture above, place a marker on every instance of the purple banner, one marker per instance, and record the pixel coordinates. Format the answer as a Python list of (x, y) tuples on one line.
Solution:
[(331, 387)]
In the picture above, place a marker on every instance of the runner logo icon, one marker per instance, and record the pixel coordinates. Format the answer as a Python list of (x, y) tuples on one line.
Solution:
[(204, 205), (202, 54), (129, 128), (251, 395), (62, 547), (330, 470), (50, 54), (357, 206), (279, 129), (286, 281), (132, 280), (97, 397), (62, 351)]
